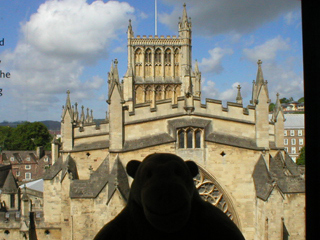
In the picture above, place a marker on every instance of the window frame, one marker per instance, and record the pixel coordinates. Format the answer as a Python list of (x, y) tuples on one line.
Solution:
[(27, 174)]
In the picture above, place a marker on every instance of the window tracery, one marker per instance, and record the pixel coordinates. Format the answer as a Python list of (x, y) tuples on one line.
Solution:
[(212, 192), (190, 137), (157, 56), (167, 57)]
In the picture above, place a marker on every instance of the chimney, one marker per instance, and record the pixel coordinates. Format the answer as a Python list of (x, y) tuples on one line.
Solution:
[(40, 152)]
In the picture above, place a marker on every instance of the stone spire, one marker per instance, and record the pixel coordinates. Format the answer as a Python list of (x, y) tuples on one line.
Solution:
[(76, 113), (196, 67), (82, 117), (239, 97), (115, 71), (277, 109), (259, 85), (67, 107), (88, 116), (185, 22), (130, 32), (91, 116), (68, 102), (110, 74), (114, 81), (259, 79)]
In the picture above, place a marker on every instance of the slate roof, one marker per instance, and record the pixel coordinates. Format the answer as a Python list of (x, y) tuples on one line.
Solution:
[(35, 185), (283, 172), (232, 140), (117, 180), (294, 121), (8, 184), (149, 141), (262, 180), (53, 170)]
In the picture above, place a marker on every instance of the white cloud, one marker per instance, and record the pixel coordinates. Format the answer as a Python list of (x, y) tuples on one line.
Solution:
[(283, 80), (213, 64), (215, 16), (268, 50), (57, 43), (292, 17), (209, 90)]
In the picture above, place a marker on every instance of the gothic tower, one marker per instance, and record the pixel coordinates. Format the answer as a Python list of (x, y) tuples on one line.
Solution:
[(160, 67)]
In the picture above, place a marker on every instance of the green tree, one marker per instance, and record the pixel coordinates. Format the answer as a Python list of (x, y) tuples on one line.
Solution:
[(301, 100), (28, 136), (301, 159), (271, 107), (5, 136), (286, 100)]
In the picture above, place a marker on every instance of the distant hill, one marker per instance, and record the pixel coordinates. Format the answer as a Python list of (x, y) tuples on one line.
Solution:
[(51, 125)]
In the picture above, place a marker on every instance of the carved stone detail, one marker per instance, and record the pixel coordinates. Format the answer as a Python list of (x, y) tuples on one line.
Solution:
[(211, 192)]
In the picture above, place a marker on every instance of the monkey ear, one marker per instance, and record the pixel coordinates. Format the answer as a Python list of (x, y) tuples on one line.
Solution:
[(132, 167), (193, 168)]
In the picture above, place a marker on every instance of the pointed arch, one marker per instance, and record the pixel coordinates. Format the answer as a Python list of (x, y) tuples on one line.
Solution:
[(138, 62), (176, 62), (211, 191), (181, 138), (167, 63)]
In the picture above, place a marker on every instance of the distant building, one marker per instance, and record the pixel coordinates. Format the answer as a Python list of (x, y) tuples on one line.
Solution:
[(294, 134), (20, 207), (292, 107), (27, 165)]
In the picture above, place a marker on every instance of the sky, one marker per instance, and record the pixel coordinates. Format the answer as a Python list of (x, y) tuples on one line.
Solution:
[(58, 45)]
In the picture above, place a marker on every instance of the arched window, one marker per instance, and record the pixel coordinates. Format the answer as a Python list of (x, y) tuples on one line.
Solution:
[(176, 62), (148, 68), (138, 56), (148, 56), (157, 56), (181, 138), (167, 57), (198, 139), (190, 137)]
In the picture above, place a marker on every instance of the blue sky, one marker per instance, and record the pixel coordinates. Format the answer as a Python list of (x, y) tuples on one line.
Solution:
[(52, 46)]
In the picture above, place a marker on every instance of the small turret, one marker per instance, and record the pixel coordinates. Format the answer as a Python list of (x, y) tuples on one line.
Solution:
[(278, 120), (239, 97), (130, 32), (67, 122), (259, 85), (260, 98), (185, 23)]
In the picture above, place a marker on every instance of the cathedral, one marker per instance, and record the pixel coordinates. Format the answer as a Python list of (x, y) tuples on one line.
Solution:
[(157, 107)]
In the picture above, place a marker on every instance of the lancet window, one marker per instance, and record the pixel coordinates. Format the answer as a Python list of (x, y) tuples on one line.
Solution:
[(148, 60), (176, 62), (190, 137), (167, 57), (157, 56), (148, 56), (138, 62)]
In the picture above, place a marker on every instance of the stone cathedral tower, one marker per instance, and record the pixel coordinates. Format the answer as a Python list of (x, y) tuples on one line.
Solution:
[(160, 67), (157, 107)]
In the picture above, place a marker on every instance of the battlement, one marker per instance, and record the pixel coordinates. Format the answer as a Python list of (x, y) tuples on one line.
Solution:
[(156, 40), (156, 37), (10, 217), (212, 108)]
